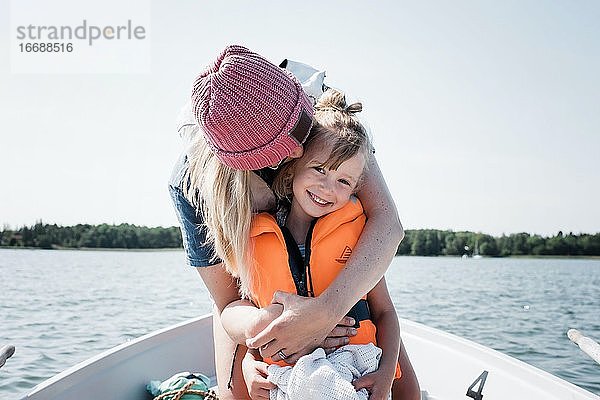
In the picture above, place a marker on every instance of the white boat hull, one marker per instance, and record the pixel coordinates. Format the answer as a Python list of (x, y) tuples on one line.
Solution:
[(123, 372), (445, 364)]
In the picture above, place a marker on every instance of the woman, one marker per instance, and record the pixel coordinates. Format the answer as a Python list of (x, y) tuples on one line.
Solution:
[(254, 115)]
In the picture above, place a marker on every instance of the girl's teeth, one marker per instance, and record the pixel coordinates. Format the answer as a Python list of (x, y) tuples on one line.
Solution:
[(318, 199)]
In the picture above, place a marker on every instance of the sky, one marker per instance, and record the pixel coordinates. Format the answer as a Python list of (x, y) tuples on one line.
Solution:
[(485, 115)]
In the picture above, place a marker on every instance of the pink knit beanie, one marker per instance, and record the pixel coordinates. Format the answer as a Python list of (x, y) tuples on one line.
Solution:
[(253, 113)]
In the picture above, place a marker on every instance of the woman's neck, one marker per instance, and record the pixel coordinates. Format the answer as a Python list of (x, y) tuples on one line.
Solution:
[(298, 222)]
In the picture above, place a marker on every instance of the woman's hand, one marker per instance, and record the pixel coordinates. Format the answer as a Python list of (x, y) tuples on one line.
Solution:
[(378, 384), (304, 325), (255, 376), (264, 316)]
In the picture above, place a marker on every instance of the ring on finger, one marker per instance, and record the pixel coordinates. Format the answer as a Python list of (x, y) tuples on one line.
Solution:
[(281, 354)]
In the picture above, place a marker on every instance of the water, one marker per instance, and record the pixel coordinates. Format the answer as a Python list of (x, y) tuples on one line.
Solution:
[(61, 307), (521, 307)]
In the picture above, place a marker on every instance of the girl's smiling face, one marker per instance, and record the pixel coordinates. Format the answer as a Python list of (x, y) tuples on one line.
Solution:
[(318, 190)]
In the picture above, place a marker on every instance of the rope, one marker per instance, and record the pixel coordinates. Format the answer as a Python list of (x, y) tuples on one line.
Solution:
[(177, 394)]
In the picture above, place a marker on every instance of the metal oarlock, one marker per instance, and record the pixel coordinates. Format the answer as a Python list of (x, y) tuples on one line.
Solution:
[(5, 353), (586, 344)]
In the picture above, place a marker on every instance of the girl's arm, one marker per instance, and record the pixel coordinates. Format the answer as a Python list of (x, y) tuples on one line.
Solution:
[(242, 319), (383, 314), (303, 325), (255, 375)]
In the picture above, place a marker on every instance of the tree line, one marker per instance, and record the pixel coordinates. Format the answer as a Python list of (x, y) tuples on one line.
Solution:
[(123, 236), (419, 242), (432, 242)]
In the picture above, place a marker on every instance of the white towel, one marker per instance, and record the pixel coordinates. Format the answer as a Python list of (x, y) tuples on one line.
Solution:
[(321, 376)]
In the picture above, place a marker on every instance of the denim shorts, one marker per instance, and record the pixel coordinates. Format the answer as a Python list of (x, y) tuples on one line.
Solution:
[(193, 231)]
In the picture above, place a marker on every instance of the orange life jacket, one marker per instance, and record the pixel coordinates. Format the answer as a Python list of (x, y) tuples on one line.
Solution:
[(333, 239)]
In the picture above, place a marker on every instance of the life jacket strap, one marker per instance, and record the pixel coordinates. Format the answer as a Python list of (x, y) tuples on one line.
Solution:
[(295, 262), (360, 312), (301, 273)]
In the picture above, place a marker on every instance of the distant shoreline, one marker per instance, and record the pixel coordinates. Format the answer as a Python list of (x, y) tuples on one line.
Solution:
[(94, 248), (419, 242), (549, 256), (171, 249), (504, 257)]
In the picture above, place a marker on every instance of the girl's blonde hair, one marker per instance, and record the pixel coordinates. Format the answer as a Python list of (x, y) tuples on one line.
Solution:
[(222, 194), (335, 126)]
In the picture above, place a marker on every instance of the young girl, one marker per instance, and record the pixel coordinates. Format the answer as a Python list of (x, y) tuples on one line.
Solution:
[(307, 244)]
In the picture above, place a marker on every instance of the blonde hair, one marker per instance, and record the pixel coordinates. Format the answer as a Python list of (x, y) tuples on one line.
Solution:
[(335, 126), (222, 194)]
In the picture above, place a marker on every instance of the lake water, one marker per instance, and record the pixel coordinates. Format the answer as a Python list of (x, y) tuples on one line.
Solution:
[(61, 307)]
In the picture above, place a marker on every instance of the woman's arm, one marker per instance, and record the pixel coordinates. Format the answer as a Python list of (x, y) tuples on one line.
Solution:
[(303, 325), (376, 247), (228, 356), (220, 284)]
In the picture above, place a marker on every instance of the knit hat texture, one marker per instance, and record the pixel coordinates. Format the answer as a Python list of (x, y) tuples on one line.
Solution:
[(253, 114)]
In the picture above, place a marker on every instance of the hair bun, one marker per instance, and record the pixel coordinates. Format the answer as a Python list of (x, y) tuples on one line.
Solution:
[(354, 108), (334, 100)]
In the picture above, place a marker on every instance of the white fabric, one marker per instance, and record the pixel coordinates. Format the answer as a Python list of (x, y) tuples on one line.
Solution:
[(321, 376), (185, 123), (310, 78)]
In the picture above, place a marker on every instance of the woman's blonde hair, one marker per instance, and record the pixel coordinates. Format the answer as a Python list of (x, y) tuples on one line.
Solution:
[(335, 126), (222, 194)]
